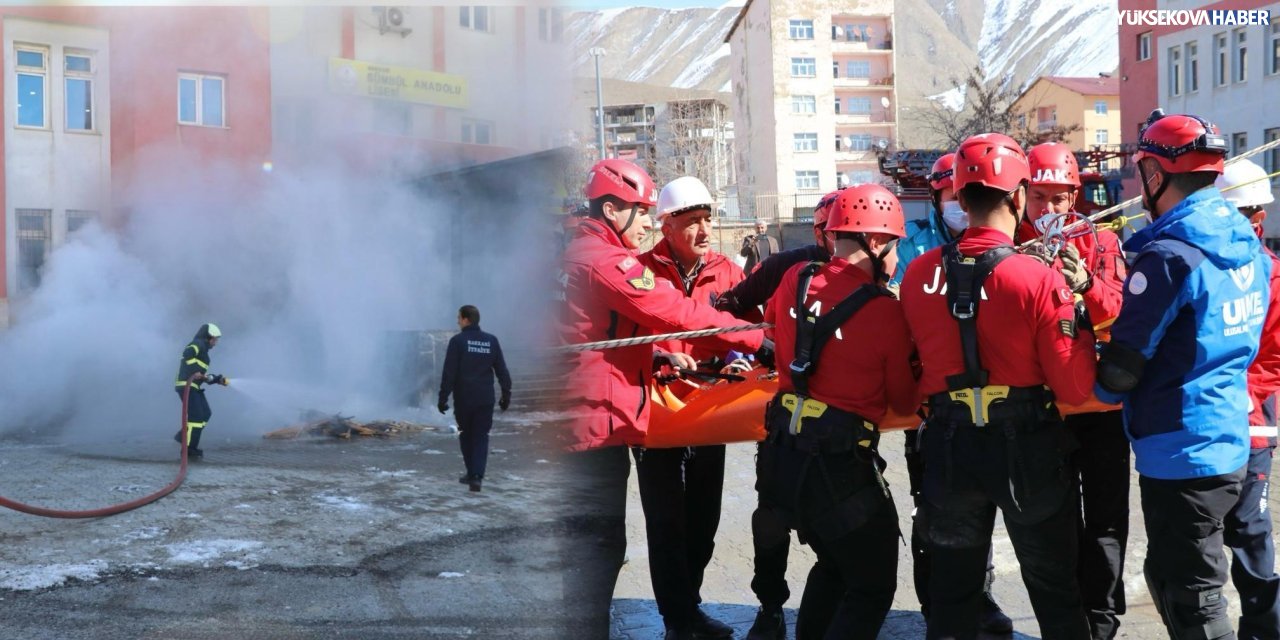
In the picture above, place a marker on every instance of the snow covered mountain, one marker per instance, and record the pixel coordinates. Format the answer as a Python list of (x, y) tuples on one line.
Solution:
[(938, 40)]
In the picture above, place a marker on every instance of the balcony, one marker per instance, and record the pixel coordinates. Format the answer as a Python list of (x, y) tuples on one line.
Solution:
[(876, 84), (847, 45), (876, 117), (850, 156), (1045, 125)]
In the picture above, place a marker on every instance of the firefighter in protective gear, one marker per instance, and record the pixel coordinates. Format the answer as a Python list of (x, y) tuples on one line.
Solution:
[(944, 224), (608, 294), (999, 340), (845, 361), (1092, 266), (1247, 531), (771, 540), (1200, 278), (194, 367), (680, 489)]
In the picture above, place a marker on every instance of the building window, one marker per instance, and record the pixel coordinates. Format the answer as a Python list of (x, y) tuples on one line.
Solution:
[(477, 131), (804, 104), (201, 100), (1144, 46), (34, 240), (858, 69), (1100, 107), (835, 69), (77, 218), (801, 29), (551, 25), (804, 68), (1100, 136), (1272, 161), (1175, 71), (860, 142), (861, 177), (806, 180), (1274, 62), (475, 18), (837, 105), (1193, 67), (805, 142), (860, 106), (32, 71), (79, 98), (1239, 143), (1240, 61), (1220, 59)]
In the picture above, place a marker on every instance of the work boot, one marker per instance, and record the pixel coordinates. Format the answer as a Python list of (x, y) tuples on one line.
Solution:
[(704, 626), (770, 624), (992, 619), (466, 479), (475, 484), (194, 454), (677, 634)]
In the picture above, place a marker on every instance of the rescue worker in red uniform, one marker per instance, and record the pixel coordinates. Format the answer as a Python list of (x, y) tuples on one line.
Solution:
[(608, 294), (1094, 268), (999, 339), (680, 489), (1247, 533), (847, 361), (770, 538)]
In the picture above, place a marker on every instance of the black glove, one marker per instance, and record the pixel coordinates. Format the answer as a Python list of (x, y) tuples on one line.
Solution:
[(217, 379), (765, 355), (443, 406), (505, 401)]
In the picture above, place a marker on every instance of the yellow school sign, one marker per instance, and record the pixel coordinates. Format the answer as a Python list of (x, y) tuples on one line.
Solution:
[(397, 83)]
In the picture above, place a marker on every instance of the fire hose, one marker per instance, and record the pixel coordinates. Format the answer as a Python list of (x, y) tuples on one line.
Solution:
[(125, 506)]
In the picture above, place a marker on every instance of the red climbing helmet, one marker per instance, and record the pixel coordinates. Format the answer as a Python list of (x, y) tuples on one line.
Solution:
[(1053, 163), (622, 180), (867, 208), (992, 160), (1181, 143), (940, 176)]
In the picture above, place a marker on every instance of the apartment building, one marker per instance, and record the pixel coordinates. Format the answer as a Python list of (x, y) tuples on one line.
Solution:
[(811, 130), (1227, 74), (678, 137), (1089, 105)]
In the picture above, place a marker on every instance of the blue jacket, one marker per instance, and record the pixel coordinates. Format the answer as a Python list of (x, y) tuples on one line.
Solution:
[(472, 359), (1194, 304), (923, 234)]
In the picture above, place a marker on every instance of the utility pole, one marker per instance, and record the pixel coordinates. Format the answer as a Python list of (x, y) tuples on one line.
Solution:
[(597, 53)]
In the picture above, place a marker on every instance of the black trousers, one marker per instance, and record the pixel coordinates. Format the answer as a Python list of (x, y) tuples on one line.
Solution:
[(1186, 566), (1253, 552), (680, 492), (474, 423), (920, 571), (840, 509), (1022, 467), (771, 542), (198, 415), (1102, 467), (594, 540)]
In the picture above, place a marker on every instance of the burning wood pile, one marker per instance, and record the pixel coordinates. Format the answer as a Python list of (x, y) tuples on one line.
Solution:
[(337, 426)]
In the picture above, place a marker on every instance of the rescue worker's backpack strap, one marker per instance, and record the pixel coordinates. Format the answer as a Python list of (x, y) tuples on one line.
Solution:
[(813, 332), (965, 277)]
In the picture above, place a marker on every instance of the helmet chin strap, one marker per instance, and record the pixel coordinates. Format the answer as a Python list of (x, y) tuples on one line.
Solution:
[(1150, 199), (634, 210), (877, 259)]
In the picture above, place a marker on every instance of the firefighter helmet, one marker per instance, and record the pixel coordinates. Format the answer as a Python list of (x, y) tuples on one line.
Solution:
[(622, 180), (822, 212), (1053, 163), (1245, 184), (992, 160), (1181, 143), (867, 208)]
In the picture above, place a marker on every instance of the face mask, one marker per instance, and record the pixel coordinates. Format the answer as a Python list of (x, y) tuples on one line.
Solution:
[(954, 216)]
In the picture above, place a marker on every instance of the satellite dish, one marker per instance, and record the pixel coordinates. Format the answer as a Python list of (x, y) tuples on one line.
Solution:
[(842, 180), (848, 142), (884, 102), (883, 144), (839, 31)]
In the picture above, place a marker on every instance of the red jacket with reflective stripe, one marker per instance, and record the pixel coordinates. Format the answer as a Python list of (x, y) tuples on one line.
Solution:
[(1026, 335), (1264, 373), (865, 368), (717, 275), (1105, 262), (609, 293)]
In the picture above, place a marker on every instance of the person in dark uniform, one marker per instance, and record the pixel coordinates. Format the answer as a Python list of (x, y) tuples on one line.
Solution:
[(469, 366), (195, 368)]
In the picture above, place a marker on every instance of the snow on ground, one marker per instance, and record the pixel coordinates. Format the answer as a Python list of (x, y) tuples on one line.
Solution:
[(203, 552), (50, 575)]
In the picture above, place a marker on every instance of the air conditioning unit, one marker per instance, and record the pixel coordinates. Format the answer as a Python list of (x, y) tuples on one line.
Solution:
[(391, 20)]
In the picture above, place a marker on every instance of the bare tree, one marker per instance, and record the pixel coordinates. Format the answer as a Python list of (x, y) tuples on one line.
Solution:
[(989, 107), (693, 143)]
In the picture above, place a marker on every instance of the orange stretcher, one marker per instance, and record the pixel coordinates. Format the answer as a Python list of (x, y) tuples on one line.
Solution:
[(687, 414)]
